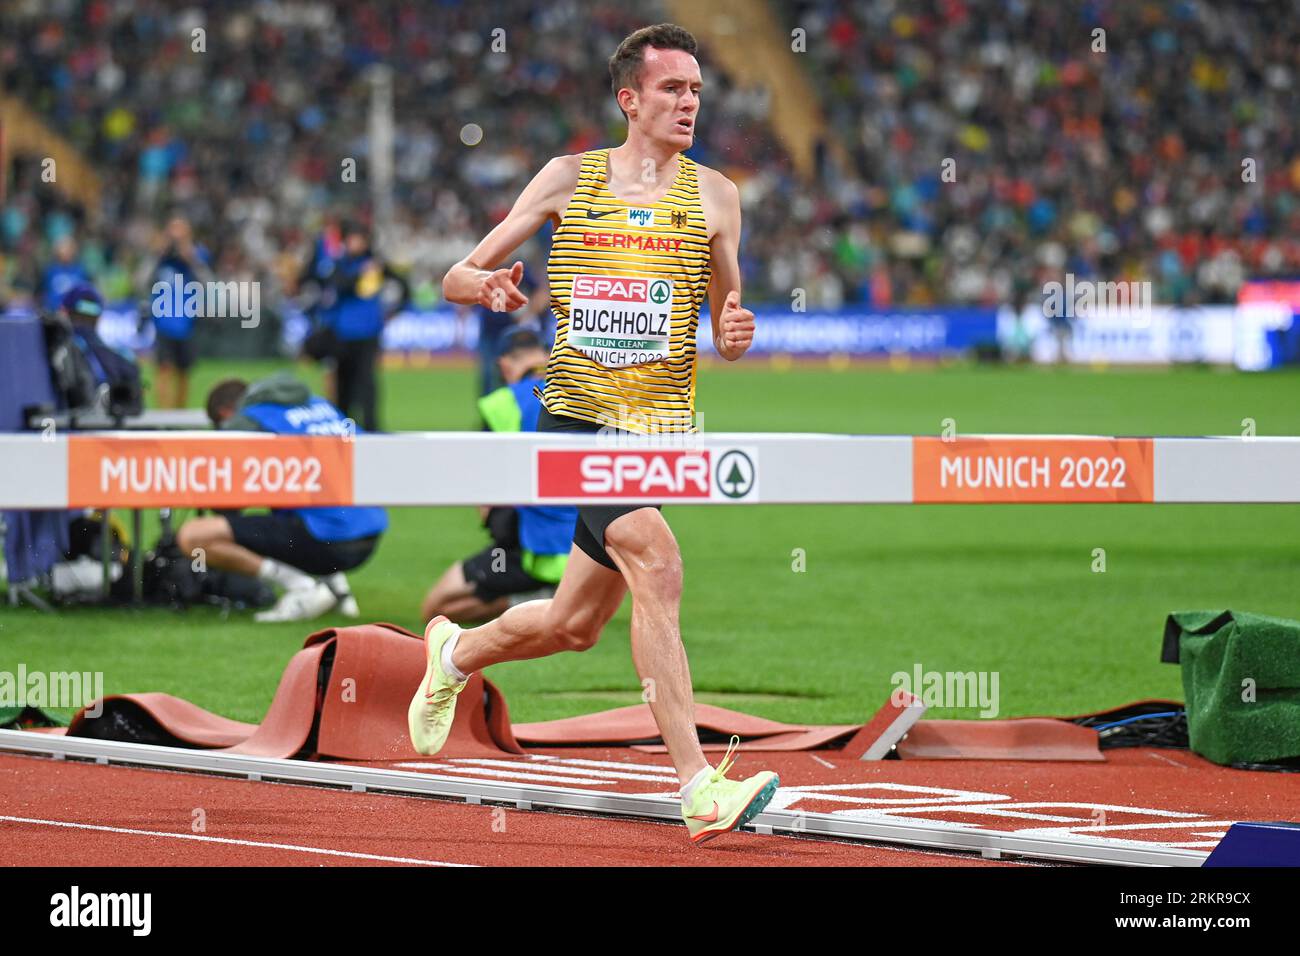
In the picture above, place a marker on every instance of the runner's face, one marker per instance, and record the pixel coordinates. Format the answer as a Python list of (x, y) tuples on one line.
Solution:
[(669, 99)]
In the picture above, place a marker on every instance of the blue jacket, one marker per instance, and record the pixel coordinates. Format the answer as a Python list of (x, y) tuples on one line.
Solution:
[(358, 312), (286, 407), (169, 320)]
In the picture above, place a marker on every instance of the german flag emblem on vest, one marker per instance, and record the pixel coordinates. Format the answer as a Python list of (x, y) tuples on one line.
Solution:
[(679, 220)]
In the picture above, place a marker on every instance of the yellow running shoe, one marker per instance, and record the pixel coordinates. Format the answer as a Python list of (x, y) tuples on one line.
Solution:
[(434, 704), (719, 804)]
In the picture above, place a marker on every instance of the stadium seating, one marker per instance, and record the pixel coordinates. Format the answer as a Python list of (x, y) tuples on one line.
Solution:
[(1132, 171)]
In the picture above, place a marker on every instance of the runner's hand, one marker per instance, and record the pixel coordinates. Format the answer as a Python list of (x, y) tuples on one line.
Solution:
[(500, 289), (736, 326)]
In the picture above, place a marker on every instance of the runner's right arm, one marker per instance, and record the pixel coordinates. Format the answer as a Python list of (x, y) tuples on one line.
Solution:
[(475, 279)]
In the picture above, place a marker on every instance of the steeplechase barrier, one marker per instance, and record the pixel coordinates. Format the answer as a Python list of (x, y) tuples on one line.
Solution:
[(215, 470)]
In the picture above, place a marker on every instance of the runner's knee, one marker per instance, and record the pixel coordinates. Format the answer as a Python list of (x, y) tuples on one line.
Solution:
[(654, 563), (577, 631)]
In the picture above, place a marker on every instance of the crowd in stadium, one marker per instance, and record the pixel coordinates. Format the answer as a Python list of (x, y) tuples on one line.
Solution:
[(1134, 169)]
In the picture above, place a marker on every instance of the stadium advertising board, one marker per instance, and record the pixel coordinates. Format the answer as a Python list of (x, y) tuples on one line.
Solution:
[(277, 471), (1214, 335), (1254, 335), (631, 474), (996, 469)]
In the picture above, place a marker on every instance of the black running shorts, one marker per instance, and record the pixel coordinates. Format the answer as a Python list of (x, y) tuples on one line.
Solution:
[(589, 534)]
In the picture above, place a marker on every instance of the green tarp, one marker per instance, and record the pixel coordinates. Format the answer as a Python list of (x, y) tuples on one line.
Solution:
[(1241, 680), (13, 717)]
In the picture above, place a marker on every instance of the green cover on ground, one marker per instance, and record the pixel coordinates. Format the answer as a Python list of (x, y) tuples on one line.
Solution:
[(1241, 680), (13, 717)]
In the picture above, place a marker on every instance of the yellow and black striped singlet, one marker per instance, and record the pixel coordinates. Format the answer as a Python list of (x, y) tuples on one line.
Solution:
[(627, 283)]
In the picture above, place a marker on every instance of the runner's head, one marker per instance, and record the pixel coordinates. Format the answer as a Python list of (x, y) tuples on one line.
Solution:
[(656, 82), (224, 399)]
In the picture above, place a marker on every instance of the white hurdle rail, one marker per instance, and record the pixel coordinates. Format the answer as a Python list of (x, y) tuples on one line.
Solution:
[(226, 469)]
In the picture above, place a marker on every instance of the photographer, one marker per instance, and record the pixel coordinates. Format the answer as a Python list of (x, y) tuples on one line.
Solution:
[(116, 373), (354, 312), (181, 260), (289, 547)]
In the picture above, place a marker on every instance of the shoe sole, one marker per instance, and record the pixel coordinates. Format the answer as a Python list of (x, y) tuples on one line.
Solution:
[(417, 702), (752, 809)]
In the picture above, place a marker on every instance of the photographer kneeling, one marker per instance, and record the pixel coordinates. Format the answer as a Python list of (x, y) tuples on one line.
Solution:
[(289, 546)]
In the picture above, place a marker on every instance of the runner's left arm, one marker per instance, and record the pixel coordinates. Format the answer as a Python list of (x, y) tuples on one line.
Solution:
[(733, 325)]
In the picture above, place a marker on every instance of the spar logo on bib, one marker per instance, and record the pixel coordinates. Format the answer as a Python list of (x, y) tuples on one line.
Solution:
[(620, 321), (626, 474)]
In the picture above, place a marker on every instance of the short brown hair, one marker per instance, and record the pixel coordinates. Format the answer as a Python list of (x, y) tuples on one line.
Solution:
[(625, 65), (225, 394)]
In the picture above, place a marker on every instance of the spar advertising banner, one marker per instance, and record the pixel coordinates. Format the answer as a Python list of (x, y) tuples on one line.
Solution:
[(647, 475)]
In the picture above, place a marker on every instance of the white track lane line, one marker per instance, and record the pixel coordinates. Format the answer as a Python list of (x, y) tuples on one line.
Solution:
[(569, 767), (229, 841)]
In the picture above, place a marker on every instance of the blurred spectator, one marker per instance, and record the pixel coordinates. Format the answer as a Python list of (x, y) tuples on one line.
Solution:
[(116, 375), (63, 274), (355, 314), (181, 261), (1125, 163)]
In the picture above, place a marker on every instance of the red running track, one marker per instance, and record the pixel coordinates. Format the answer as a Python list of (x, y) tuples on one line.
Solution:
[(61, 813), (1136, 797)]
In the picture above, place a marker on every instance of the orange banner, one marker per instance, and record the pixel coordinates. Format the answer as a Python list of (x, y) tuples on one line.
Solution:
[(280, 471), (1058, 470)]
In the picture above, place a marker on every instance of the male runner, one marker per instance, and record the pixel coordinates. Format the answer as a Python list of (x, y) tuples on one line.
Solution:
[(641, 211)]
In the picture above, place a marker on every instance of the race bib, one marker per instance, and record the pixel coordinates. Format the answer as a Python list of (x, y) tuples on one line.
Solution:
[(621, 321)]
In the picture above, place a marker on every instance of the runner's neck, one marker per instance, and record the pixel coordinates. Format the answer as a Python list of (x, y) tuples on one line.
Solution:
[(629, 175)]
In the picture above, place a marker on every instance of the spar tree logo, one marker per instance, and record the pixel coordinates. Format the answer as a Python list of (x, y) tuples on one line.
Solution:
[(734, 474), (660, 291)]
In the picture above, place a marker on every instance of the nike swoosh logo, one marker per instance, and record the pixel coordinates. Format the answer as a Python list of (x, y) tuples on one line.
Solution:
[(600, 215), (710, 818)]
